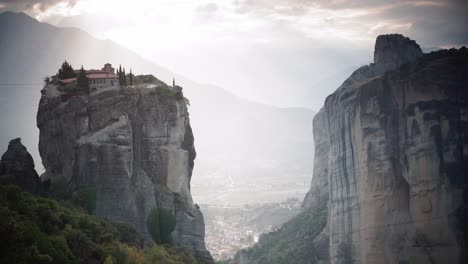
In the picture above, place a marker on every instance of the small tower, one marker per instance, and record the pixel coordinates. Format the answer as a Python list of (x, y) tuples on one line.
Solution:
[(108, 68)]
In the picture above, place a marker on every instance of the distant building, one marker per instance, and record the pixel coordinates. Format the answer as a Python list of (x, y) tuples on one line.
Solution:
[(103, 79)]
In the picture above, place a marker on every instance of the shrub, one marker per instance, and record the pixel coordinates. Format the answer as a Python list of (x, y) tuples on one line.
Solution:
[(79, 243), (41, 230), (109, 260), (157, 254), (168, 255), (163, 92)]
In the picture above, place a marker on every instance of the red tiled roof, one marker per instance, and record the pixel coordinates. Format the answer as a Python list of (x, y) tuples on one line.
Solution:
[(90, 71)]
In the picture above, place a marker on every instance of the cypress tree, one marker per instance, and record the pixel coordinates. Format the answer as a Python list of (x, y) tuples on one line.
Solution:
[(120, 75), (131, 77), (124, 77), (83, 81), (161, 223)]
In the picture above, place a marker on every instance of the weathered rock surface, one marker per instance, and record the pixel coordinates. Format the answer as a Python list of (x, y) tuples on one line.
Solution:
[(390, 165), (135, 146), (17, 167), (391, 158), (391, 51)]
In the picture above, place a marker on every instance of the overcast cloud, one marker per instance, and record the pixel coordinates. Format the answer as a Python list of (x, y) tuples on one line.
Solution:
[(34, 6)]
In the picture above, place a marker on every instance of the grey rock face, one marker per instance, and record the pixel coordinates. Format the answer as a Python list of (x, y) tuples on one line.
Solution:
[(135, 146), (17, 167), (318, 193), (392, 156), (394, 50)]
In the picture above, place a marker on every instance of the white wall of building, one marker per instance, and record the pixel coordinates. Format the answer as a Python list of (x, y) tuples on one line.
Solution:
[(96, 84)]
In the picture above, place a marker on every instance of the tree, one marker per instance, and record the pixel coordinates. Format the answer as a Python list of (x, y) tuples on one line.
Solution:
[(82, 80), (66, 71), (161, 223), (152, 223), (167, 225), (124, 77), (131, 77), (120, 75), (46, 80), (85, 197)]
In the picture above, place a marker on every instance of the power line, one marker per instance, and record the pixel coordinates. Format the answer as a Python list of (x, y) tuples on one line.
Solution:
[(12, 84)]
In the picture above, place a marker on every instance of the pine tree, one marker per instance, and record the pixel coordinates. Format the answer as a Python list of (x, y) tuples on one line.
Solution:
[(66, 71)]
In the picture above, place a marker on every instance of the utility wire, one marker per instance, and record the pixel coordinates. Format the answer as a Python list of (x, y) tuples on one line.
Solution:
[(12, 84)]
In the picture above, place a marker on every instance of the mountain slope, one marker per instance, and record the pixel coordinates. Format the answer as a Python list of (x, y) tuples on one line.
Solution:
[(228, 130)]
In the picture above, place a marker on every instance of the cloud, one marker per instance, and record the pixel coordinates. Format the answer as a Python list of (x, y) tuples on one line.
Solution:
[(33, 6), (299, 7), (207, 8), (430, 22)]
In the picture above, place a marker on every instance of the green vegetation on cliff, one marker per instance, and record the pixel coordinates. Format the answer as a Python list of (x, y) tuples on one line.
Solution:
[(292, 243), (163, 92), (41, 230), (147, 79), (85, 197), (160, 224)]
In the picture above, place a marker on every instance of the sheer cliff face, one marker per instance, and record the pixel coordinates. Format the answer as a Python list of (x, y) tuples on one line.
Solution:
[(135, 146), (391, 156)]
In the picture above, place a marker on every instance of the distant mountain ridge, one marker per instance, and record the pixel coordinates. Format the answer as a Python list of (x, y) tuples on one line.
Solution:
[(228, 130)]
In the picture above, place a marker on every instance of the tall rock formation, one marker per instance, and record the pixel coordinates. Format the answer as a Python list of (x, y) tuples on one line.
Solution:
[(394, 156), (390, 164), (17, 167), (134, 147)]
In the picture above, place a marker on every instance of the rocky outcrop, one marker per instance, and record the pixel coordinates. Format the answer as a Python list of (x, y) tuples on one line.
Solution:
[(391, 51), (17, 167), (135, 147), (392, 156)]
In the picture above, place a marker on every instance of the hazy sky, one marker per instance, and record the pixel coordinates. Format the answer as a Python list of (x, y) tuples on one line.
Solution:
[(278, 52)]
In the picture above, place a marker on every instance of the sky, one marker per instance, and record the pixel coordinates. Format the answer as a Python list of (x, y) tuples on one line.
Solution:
[(285, 53)]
